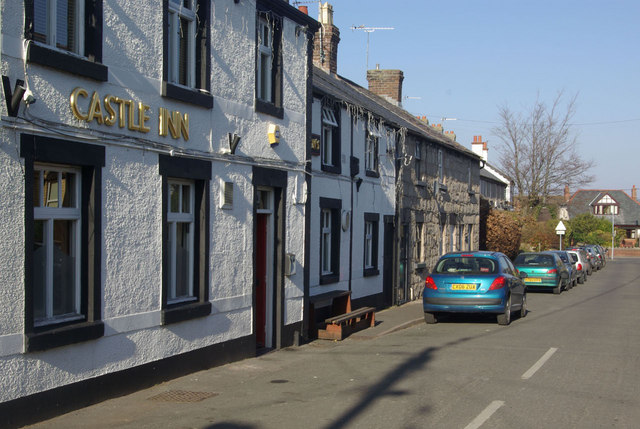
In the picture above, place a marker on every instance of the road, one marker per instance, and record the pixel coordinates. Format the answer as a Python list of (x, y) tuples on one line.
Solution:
[(573, 362)]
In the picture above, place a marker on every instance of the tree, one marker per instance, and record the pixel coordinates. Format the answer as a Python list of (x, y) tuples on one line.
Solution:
[(539, 152), (502, 233), (589, 229)]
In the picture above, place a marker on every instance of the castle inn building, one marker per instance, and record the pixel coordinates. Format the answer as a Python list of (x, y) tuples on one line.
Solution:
[(153, 173)]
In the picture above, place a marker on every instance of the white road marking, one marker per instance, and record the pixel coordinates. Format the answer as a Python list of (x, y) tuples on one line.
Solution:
[(484, 415), (527, 375)]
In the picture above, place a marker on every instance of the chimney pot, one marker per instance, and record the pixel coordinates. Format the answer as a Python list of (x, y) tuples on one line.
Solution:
[(304, 9), (325, 45)]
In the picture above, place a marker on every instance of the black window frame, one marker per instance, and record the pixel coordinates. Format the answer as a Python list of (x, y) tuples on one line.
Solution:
[(336, 146), (90, 159), (200, 94), (335, 205), (272, 108), (198, 171), (376, 155), (375, 219), (89, 64)]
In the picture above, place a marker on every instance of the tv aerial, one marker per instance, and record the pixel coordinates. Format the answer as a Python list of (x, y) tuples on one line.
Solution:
[(369, 30)]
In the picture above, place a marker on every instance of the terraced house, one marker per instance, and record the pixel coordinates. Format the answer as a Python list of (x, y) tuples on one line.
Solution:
[(390, 193), (153, 168)]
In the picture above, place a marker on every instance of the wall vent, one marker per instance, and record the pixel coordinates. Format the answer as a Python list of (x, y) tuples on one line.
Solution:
[(226, 195)]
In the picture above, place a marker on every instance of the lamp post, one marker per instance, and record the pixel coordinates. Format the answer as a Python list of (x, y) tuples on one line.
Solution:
[(613, 232)]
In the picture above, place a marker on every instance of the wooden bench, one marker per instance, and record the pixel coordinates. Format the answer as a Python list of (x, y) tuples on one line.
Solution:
[(339, 327), (341, 320)]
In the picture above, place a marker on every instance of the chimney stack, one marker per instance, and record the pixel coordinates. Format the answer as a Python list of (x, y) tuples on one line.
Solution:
[(451, 135), (386, 84), (567, 194), (325, 44), (480, 148), (634, 193)]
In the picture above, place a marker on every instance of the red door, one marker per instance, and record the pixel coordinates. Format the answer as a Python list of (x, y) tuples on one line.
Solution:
[(261, 279)]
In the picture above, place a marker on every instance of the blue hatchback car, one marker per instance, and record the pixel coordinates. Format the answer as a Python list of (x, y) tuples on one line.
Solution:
[(474, 282)]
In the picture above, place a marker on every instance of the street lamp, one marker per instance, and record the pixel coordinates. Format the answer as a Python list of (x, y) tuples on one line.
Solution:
[(613, 231)]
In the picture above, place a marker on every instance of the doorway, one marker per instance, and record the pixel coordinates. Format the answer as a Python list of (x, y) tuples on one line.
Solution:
[(387, 270), (264, 272)]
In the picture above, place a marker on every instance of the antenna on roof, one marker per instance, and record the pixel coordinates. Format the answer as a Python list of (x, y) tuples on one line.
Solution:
[(369, 30)]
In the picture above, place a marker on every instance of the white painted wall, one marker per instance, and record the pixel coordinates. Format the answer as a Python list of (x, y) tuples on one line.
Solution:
[(131, 192), (376, 195)]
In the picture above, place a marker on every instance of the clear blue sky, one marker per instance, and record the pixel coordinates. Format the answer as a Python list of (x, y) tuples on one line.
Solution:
[(466, 58)]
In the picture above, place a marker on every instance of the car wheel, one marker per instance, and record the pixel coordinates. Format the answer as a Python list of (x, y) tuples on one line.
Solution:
[(581, 279), (523, 308), (505, 318), (558, 289), (430, 318)]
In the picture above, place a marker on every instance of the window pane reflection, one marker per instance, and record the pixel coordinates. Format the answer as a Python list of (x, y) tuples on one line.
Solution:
[(174, 198), (68, 189), (183, 283), (50, 187), (186, 199), (64, 263), (39, 270)]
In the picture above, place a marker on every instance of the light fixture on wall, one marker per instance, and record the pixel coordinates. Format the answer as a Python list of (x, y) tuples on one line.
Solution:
[(346, 219)]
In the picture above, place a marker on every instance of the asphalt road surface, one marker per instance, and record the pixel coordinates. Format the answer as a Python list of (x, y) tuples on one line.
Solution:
[(572, 362)]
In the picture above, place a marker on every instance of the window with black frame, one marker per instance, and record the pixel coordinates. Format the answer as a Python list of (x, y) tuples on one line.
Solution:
[(185, 244), (268, 91), (330, 211), (186, 66), (63, 204), (66, 35)]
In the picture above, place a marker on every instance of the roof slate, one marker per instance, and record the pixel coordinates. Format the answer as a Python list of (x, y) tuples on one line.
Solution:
[(347, 91), (629, 211)]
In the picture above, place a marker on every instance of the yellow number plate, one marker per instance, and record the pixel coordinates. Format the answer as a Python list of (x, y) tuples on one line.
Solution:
[(463, 286), (533, 280)]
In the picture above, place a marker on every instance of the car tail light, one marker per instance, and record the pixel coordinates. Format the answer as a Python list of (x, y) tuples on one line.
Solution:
[(579, 267), (430, 284), (498, 283), (552, 271)]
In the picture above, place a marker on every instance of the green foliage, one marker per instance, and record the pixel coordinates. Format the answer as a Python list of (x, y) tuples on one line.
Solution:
[(588, 229)]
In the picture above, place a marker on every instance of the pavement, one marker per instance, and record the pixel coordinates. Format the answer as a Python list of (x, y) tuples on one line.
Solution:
[(182, 402)]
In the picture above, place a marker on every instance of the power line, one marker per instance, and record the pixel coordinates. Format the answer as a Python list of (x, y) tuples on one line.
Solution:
[(570, 124)]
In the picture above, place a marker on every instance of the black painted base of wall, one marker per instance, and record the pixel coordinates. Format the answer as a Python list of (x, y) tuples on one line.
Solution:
[(292, 335), (61, 400), (376, 301)]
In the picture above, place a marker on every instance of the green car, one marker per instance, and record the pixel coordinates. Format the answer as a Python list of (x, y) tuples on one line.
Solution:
[(545, 270)]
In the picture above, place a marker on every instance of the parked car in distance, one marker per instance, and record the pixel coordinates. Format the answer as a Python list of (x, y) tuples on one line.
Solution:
[(602, 254), (596, 261), (582, 265), (474, 282), (544, 271), (568, 262)]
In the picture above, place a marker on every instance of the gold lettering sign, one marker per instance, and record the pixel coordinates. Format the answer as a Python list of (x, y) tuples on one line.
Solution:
[(173, 122), (131, 114)]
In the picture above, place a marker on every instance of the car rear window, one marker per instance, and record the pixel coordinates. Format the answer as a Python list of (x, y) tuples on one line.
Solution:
[(466, 264), (534, 259)]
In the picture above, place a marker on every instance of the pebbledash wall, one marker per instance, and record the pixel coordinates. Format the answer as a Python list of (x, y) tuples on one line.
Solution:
[(126, 329)]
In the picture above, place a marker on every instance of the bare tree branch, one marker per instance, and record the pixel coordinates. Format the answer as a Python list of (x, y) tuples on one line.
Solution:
[(539, 151)]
